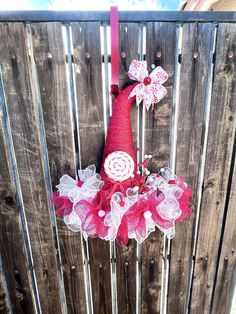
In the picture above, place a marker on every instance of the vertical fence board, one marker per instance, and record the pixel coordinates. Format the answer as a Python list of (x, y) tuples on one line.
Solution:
[(160, 47), (224, 282), (196, 54), (215, 251), (13, 253), (22, 108), (50, 58), (126, 256), (88, 76), (218, 158), (4, 306)]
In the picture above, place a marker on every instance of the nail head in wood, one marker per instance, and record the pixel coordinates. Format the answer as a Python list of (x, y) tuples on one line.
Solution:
[(13, 56), (87, 55), (126, 264), (158, 55), (73, 267), (49, 55), (230, 55), (152, 262), (153, 66), (123, 54), (195, 55)]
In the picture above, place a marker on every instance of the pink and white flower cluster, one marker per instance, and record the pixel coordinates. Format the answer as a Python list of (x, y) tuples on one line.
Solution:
[(90, 206)]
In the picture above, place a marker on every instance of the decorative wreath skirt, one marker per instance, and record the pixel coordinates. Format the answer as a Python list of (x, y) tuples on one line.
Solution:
[(102, 209)]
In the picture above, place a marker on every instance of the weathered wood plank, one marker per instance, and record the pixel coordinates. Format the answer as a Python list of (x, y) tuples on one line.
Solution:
[(217, 166), (4, 304), (159, 51), (13, 254), (197, 46), (50, 59), (224, 282), (23, 115), (126, 256), (88, 76)]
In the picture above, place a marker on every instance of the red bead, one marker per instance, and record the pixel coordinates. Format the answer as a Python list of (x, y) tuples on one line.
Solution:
[(147, 80), (80, 183), (145, 163)]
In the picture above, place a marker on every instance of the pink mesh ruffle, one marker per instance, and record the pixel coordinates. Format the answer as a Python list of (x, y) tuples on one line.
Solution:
[(121, 211)]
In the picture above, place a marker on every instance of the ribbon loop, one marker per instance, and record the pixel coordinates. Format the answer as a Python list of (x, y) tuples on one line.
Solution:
[(114, 51)]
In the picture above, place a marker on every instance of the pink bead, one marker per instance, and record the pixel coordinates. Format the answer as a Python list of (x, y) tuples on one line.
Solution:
[(101, 213), (122, 203), (147, 214)]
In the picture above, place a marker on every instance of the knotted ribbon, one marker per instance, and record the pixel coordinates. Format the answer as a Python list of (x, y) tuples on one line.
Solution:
[(150, 89)]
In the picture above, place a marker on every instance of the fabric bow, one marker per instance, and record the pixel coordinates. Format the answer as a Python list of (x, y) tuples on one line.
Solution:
[(150, 89)]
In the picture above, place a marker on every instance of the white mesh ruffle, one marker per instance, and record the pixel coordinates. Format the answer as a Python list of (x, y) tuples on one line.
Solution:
[(90, 184), (169, 191)]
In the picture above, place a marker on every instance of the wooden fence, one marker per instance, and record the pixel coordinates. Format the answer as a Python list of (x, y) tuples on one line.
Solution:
[(54, 111)]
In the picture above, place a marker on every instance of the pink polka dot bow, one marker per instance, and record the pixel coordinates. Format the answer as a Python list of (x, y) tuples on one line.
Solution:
[(150, 89)]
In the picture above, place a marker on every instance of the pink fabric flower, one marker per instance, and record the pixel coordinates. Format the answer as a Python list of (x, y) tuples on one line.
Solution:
[(184, 200), (136, 220), (92, 216), (63, 204)]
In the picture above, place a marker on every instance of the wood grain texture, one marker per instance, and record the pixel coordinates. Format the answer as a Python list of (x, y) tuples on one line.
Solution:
[(4, 306), (22, 108), (88, 76), (12, 248), (50, 59), (160, 38), (126, 256), (197, 39), (218, 158), (225, 279)]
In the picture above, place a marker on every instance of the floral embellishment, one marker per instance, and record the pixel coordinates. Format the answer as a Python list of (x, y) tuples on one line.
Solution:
[(150, 89), (87, 186)]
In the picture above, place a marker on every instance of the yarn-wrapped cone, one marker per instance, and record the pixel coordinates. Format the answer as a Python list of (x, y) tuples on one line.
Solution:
[(119, 138), (119, 135)]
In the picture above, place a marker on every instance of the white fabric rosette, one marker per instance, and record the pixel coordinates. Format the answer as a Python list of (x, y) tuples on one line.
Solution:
[(90, 184), (73, 221), (113, 219), (169, 207)]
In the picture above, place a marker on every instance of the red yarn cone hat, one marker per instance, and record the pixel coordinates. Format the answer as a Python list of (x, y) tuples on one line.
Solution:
[(119, 135), (119, 162)]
